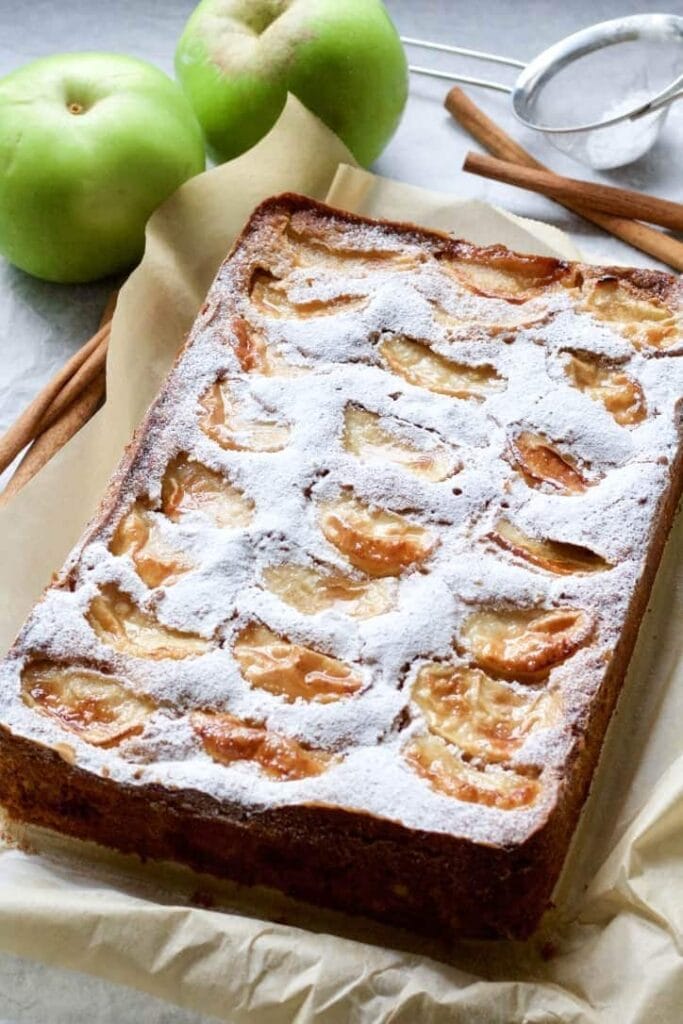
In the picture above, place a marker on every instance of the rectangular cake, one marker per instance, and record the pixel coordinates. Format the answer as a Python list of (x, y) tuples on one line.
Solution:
[(354, 613)]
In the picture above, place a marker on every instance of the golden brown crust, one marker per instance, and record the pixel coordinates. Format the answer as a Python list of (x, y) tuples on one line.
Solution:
[(426, 880), (327, 856)]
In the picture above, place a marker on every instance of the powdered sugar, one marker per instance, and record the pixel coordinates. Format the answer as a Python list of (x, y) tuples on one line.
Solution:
[(339, 364)]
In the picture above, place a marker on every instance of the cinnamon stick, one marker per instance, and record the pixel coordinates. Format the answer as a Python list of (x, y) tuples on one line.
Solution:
[(25, 428), (88, 369), (56, 436), (655, 243), (60, 391), (622, 202), (86, 373)]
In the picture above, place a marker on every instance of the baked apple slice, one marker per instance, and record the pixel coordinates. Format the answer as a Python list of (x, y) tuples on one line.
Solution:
[(492, 786), (375, 541), (228, 739), (312, 590), (120, 624), (308, 250), (226, 421), (552, 555), (645, 321), (254, 356), (501, 274), (494, 319), (291, 670), (539, 462), (524, 644), (621, 395), (249, 346), (269, 296), (420, 366), (98, 708), (484, 717), (365, 437), (189, 486), (139, 536)]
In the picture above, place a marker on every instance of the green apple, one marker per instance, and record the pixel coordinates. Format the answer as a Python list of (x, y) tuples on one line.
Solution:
[(237, 59), (90, 144)]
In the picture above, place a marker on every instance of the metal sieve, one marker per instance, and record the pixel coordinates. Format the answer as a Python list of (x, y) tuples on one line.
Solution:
[(601, 95)]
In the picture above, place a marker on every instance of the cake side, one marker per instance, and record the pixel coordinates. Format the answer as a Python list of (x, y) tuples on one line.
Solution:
[(464, 760), (370, 865)]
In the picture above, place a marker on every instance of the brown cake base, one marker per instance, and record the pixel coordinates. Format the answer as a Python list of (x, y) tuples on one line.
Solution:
[(350, 860)]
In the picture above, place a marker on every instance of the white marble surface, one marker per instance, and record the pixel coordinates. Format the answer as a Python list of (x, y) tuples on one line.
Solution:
[(41, 324)]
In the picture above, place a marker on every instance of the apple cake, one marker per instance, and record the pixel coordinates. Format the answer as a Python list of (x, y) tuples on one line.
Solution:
[(352, 618)]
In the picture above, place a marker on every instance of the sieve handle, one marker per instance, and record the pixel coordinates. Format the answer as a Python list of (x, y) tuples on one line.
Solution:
[(485, 83), (662, 99), (462, 51)]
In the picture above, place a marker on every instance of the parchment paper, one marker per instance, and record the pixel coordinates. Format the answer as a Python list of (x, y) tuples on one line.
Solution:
[(612, 951)]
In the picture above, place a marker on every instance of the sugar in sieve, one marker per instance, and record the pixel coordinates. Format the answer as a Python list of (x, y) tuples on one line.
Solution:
[(601, 95)]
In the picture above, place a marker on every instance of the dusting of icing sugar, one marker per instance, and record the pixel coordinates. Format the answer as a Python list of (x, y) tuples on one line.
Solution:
[(337, 356)]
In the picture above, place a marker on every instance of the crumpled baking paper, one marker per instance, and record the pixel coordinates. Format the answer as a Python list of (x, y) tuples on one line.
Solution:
[(612, 949)]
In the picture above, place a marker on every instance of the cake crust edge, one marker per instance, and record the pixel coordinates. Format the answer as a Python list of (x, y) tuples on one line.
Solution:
[(364, 862)]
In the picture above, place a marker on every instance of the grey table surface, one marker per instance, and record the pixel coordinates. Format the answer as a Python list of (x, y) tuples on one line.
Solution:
[(40, 324)]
